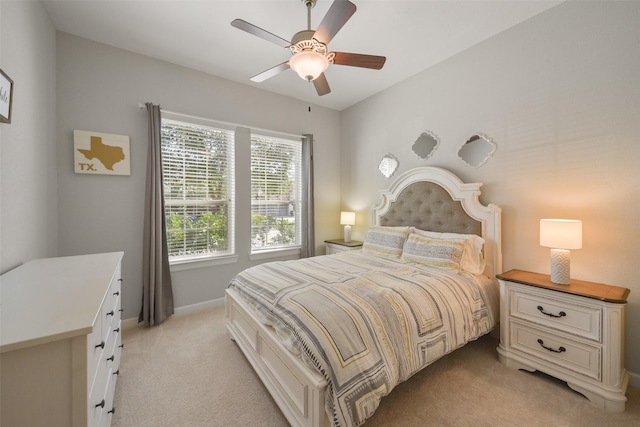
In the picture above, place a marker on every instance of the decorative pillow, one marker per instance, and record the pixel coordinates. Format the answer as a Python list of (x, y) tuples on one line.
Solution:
[(472, 259), (386, 241), (441, 253)]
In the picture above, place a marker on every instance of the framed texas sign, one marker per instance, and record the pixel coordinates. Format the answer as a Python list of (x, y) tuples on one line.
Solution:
[(101, 153), (6, 97)]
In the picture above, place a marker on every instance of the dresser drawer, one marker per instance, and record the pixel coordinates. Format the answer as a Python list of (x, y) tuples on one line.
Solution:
[(96, 344), (564, 314), (560, 350), (98, 394)]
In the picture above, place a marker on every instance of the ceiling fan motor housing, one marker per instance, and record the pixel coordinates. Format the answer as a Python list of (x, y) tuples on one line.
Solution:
[(301, 36)]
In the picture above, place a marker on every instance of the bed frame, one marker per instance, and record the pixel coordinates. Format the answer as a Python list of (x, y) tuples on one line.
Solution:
[(429, 198)]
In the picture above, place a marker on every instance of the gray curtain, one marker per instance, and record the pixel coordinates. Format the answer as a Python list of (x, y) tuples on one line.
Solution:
[(308, 235), (157, 294)]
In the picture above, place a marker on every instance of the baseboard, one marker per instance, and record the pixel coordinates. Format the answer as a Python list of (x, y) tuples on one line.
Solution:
[(198, 307), (178, 311), (634, 379)]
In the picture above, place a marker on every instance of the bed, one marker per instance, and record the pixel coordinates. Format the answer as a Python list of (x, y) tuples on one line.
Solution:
[(329, 336)]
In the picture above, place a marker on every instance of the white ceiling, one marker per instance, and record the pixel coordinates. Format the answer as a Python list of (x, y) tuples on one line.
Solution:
[(413, 35)]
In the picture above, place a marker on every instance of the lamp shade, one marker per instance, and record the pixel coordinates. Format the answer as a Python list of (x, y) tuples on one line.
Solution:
[(561, 233), (347, 218), (309, 64)]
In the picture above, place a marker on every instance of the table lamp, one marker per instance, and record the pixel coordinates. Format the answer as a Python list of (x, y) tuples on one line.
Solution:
[(347, 219), (561, 235)]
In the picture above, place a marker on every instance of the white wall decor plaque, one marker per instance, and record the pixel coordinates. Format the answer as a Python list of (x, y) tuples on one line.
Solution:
[(101, 153), (6, 97)]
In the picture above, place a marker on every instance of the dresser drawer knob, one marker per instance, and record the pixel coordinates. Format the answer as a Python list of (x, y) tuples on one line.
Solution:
[(112, 411), (101, 345), (101, 404), (561, 314), (559, 350), (116, 293), (112, 358), (111, 313), (117, 372), (116, 330)]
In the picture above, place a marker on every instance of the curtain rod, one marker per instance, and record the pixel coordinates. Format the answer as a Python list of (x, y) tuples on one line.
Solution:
[(142, 106)]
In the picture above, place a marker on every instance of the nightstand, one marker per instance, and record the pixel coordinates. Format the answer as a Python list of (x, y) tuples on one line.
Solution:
[(572, 332), (339, 245)]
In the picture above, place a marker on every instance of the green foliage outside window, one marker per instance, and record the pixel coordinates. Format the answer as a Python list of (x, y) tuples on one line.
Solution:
[(192, 235)]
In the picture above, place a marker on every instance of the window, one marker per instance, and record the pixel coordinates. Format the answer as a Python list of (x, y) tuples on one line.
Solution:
[(276, 192), (198, 178)]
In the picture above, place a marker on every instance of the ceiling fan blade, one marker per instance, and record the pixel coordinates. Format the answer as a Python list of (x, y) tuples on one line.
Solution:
[(359, 60), (337, 15), (259, 32), (321, 85), (270, 72)]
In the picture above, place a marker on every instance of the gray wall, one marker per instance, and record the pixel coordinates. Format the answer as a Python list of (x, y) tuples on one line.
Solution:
[(560, 95), (29, 195), (99, 88)]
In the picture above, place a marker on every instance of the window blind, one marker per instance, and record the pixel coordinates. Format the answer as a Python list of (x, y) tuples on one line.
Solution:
[(276, 192), (198, 184)]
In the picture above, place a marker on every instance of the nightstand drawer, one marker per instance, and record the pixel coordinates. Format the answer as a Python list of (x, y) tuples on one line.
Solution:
[(563, 314), (559, 350)]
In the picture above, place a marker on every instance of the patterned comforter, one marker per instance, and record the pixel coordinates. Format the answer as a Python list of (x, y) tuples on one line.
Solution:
[(366, 322)]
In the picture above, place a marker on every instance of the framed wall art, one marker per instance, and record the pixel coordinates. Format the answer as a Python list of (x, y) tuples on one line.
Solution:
[(101, 153), (6, 97)]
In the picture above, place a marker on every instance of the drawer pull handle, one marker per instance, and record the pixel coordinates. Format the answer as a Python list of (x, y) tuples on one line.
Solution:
[(120, 279), (111, 313), (121, 310), (117, 372), (121, 346), (112, 358), (116, 293), (101, 404), (559, 350), (101, 345), (112, 411), (561, 314), (116, 330)]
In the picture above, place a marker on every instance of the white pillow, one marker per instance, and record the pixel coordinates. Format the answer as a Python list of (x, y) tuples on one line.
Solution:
[(387, 241), (440, 253), (472, 258)]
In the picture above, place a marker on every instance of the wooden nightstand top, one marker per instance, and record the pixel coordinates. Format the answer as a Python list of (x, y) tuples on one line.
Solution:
[(341, 242), (583, 288)]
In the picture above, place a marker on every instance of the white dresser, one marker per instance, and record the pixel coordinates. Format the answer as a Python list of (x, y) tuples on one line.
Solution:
[(573, 332), (61, 341)]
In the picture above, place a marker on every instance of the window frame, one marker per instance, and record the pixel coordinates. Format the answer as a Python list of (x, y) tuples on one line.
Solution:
[(273, 251), (183, 262)]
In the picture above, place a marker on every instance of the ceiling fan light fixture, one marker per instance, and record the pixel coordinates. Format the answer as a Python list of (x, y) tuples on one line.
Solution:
[(309, 64)]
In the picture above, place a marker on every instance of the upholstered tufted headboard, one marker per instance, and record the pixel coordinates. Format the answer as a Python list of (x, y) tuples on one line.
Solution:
[(428, 206), (435, 199)]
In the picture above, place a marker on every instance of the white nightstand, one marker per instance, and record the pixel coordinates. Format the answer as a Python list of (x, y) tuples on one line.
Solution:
[(339, 245), (572, 332)]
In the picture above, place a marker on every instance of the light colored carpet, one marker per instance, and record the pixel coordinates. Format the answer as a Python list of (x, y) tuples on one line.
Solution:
[(187, 372)]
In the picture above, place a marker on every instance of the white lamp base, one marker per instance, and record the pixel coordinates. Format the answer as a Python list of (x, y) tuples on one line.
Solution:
[(560, 266), (347, 233)]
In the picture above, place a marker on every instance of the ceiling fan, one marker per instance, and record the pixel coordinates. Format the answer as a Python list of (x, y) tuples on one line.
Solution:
[(310, 56)]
